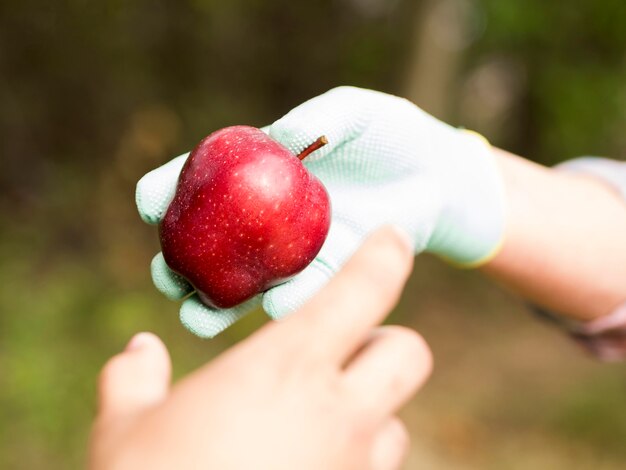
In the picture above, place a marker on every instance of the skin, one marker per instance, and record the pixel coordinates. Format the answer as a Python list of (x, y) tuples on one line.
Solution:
[(564, 245), (280, 399)]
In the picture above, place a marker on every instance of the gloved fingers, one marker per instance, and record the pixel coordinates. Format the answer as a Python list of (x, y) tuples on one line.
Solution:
[(338, 114), (156, 190), (171, 285), (207, 322)]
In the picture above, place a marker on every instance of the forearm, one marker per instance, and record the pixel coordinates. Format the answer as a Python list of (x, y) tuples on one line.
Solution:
[(565, 242)]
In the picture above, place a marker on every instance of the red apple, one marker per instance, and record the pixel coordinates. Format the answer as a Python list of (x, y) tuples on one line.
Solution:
[(247, 215)]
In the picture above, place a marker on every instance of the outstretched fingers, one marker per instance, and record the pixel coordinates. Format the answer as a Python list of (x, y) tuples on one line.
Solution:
[(391, 367), (359, 297)]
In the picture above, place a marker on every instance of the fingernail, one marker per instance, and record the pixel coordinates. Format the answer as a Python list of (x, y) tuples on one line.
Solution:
[(138, 341), (402, 237)]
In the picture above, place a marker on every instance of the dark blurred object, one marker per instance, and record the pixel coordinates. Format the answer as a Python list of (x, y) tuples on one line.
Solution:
[(603, 338)]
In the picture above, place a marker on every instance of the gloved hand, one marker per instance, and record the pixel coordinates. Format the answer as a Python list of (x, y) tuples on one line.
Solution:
[(387, 162)]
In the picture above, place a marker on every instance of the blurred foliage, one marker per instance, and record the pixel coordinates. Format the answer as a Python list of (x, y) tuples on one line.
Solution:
[(94, 94), (575, 64)]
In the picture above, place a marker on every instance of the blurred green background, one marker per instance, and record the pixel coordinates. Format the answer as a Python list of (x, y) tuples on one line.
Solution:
[(94, 94)]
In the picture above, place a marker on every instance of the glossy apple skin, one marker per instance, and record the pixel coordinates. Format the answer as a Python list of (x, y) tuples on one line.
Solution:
[(247, 215)]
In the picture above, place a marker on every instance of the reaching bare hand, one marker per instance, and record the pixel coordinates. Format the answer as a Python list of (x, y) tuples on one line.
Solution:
[(318, 390)]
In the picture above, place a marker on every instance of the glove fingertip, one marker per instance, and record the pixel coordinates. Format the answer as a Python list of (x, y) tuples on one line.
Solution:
[(171, 285), (201, 321), (147, 211), (155, 190), (206, 322)]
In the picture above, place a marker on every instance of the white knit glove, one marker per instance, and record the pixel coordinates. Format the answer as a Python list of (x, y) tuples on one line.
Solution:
[(387, 162)]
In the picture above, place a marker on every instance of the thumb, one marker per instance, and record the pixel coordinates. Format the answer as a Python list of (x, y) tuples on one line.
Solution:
[(136, 379), (337, 114)]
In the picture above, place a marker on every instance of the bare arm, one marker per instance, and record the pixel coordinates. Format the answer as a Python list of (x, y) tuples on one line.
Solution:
[(565, 245)]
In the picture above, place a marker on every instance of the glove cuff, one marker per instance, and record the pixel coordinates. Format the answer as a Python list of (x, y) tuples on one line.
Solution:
[(470, 230)]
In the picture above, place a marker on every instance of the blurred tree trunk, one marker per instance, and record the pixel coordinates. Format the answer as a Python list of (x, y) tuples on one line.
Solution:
[(443, 31), (436, 55)]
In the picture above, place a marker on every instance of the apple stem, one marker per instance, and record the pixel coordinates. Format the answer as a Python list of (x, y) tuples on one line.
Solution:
[(318, 144)]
